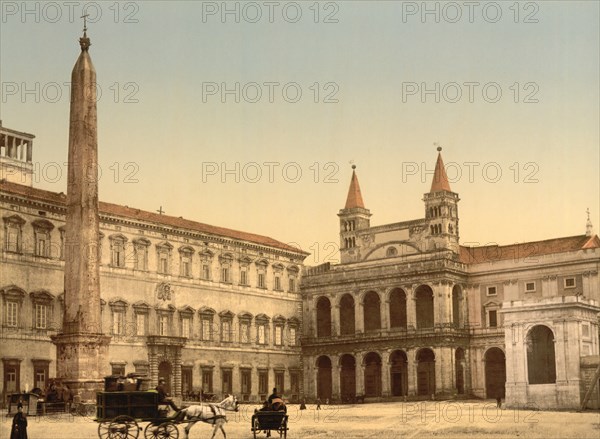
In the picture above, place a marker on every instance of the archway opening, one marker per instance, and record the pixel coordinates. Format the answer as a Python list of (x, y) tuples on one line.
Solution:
[(424, 305), (399, 373), (495, 373), (324, 389), (347, 315), (323, 317), (398, 308), (425, 372), (456, 300), (165, 371), (372, 310), (372, 364), (348, 378), (459, 361), (541, 361)]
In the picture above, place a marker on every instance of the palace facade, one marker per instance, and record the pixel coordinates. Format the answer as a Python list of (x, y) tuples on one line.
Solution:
[(202, 306), (410, 313)]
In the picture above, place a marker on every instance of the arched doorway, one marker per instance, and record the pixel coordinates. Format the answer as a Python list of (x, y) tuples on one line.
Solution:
[(324, 378), (397, 308), (372, 310), (347, 315), (348, 377), (399, 373), (323, 317), (495, 373), (372, 364), (459, 362), (424, 305), (425, 372), (541, 360), (165, 371)]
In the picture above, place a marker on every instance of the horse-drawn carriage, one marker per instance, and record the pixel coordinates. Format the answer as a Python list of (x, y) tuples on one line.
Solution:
[(120, 413), (272, 417)]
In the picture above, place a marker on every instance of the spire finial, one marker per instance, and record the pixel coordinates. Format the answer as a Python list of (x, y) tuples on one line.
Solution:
[(589, 228), (84, 41), (439, 148), (353, 166)]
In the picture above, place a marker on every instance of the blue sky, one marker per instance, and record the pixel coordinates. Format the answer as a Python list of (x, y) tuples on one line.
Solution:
[(525, 161)]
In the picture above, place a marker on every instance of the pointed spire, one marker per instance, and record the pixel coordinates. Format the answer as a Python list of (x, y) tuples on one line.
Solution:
[(354, 198), (440, 179), (589, 228)]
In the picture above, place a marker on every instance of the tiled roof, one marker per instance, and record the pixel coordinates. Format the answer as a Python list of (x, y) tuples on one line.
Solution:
[(440, 179), (145, 216), (527, 250), (354, 198)]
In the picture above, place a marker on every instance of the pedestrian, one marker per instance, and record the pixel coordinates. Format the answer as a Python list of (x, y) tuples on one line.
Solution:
[(303, 404), (499, 401), (318, 403), (19, 424)]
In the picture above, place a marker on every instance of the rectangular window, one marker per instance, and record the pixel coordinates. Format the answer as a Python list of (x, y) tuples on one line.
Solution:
[(244, 332), (41, 316), (40, 378), (292, 336), (295, 382), (40, 245), (10, 377), (185, 267), (263, 382), (140, 258), (278, 335), (224, 274), (207, 380), (226, 379), (261, 280), (246, 376), (292, 285), (529, 287), (277, 283), (140, 324), (262, 339), (493, 318), (118, 369), (163, 263), (118, 254), (491, 291), (12, 313), (118, 322), (12, 239), (243, 277), (163, 325), (186, 327), (279, 381), (206, 329), (226, 331), (205, 272), (585, 331), (570, 282)]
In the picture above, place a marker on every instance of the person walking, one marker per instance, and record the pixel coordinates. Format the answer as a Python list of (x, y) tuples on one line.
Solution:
[(19, 424), (499, 401), (318, 404)]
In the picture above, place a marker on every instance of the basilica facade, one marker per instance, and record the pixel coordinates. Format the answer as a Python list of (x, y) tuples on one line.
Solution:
[(411, 313)]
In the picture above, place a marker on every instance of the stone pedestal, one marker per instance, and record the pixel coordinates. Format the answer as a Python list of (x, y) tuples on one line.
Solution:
[(82, 363)]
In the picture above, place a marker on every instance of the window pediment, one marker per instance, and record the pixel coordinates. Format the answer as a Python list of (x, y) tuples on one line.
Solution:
[(262, 263), (206, 311), (118, 303), (262, 318), (165, 245), (41, 296), (279, 319), (141, 306), (141, 241), (244, 315), (118, 237), (186, 250), (293, 269), (14, 219), (226, 314), (187, 311), (13, 293), (42, 224)]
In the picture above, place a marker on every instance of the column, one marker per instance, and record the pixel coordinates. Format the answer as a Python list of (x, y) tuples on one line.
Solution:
[(360, 375), (177, 373), (253, 383), (335, 319), (411, 372), (236, 383), (359, 319), (385, 313), (385, 374), (411, 307), (336, 372), (29, 151)]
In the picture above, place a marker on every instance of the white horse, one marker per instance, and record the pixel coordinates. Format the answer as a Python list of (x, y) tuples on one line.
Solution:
[(211, 413)]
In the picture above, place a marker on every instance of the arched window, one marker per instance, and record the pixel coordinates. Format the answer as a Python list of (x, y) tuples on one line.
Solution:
[(541, 362), (323, 317), (398, 308), (391, 251), (424, 297), (347, 315), (372, 311)]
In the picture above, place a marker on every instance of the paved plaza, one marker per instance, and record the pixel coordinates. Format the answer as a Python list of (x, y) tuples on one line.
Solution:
[(444, 419)]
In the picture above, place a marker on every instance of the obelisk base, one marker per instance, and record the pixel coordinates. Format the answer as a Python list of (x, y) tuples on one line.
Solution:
[(81, 363)]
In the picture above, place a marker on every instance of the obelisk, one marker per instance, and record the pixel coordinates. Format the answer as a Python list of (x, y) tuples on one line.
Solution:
[(81, 348)]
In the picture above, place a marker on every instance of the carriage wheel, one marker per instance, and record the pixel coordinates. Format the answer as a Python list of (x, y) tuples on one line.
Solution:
[(104, 430), (123, 427), (166, 430)]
